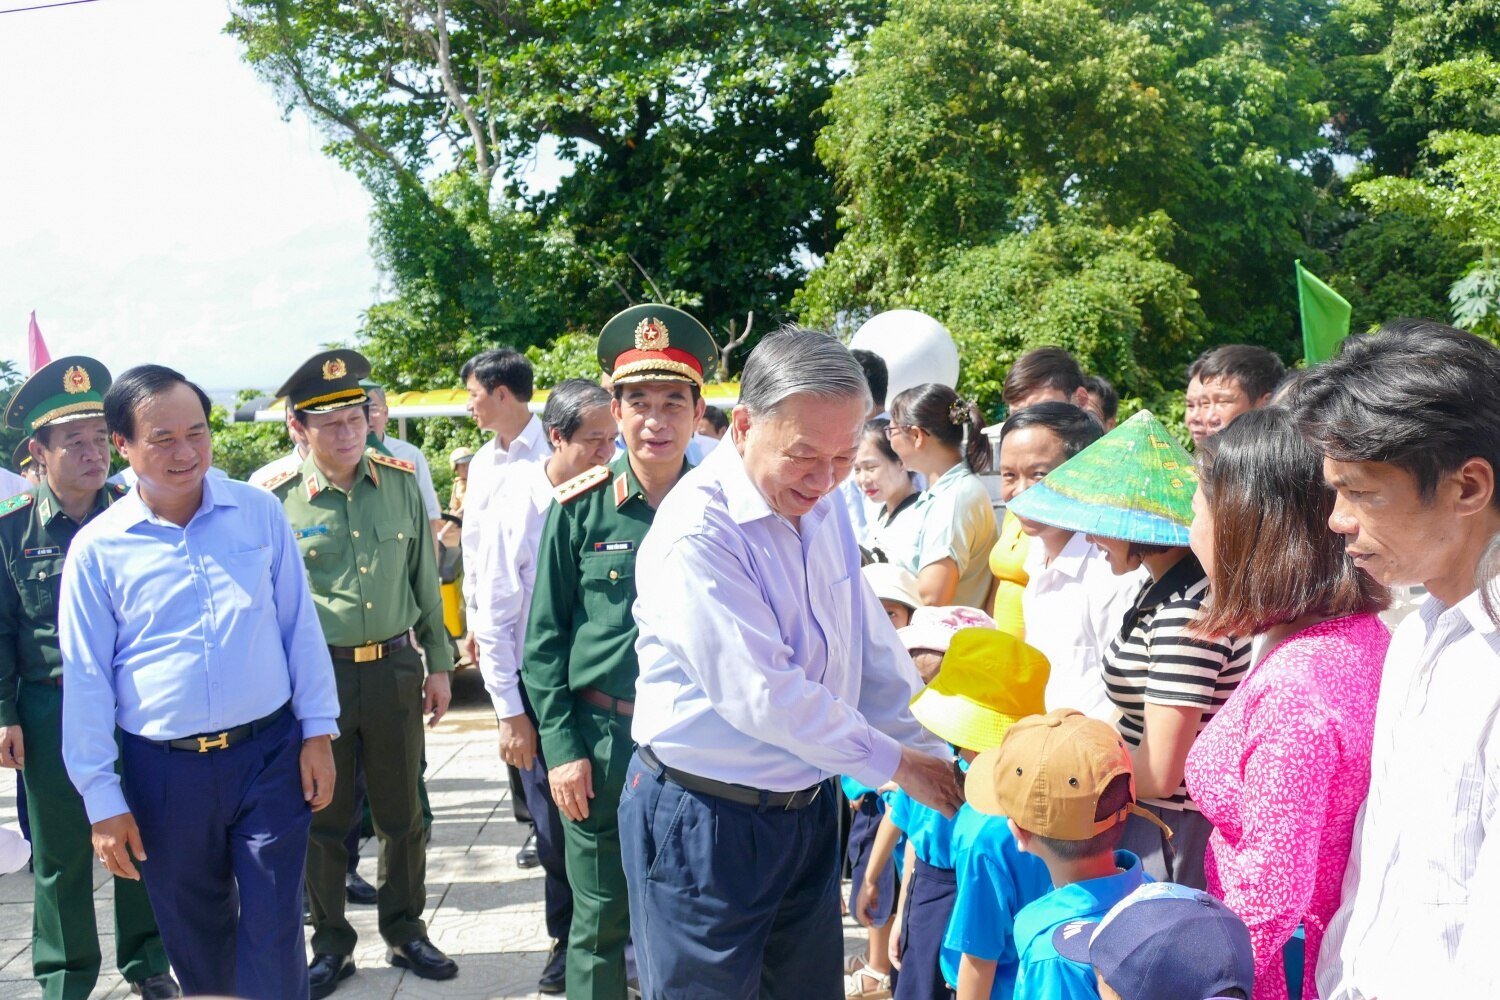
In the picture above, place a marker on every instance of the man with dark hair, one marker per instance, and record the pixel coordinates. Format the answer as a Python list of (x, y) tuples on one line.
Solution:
[(192, 657), (62, 407), (1227, 381), (1045, 374), (877, 377), (361, 526), (1408, 423), (1103, 399), (580, 666), (714, 423)]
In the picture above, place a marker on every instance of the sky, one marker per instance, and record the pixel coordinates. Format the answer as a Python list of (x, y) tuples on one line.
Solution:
[(155, 206)]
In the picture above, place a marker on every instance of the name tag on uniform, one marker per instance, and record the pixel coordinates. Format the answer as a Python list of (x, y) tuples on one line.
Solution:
[(614, 546), (42, 552), (317, 529)]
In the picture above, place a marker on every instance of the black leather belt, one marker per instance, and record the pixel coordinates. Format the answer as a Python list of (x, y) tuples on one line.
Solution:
[(743, 794), (205, 742), (370, 651)]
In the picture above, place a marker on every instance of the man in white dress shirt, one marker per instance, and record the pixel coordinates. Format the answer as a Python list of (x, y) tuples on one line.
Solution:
[(767, 668), (499, 382), (1408, 422)]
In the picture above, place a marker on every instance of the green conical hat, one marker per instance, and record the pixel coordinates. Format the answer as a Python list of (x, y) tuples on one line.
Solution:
[(1135, 483)]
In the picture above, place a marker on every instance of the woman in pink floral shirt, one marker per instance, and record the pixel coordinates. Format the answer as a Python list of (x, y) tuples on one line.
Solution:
[(1282, 769)]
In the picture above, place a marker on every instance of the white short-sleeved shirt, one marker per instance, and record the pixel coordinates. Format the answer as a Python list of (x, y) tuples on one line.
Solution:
[(957, 521)]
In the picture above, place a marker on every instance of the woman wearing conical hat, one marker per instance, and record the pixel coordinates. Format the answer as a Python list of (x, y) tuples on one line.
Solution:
[(1131, 492)]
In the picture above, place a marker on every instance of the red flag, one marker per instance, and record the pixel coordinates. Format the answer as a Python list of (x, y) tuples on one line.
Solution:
[(36, 345)]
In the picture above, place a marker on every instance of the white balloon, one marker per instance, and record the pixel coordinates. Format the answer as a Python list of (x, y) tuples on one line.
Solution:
[(916, 348)]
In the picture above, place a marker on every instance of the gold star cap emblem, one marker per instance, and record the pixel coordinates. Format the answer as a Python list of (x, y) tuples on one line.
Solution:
[(76, 380), (334, 368), (651, 335)]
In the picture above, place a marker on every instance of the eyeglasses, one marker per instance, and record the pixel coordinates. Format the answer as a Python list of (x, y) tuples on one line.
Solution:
[(891, 430)]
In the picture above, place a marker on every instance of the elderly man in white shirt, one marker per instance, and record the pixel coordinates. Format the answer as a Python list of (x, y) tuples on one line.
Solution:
[(1408, 422), (581, 431), (767, 668), (1073, 604)]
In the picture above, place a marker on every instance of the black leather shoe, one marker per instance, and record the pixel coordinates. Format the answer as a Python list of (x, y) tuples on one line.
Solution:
[(422, 957), (358, 891), (554, 981), (158, 987), (326, 972), (527, 856)]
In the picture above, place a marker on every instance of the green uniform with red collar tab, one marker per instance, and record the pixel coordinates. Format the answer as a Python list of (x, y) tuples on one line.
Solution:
[(581, 638), (35, 534), (373, 574)]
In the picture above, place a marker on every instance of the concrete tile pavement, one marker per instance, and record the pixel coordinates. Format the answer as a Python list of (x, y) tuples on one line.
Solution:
[(481, 909)]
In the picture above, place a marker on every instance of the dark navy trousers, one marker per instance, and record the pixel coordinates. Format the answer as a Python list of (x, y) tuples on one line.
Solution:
[(929, 906), (226, 834), (549, 847), (727, 900)]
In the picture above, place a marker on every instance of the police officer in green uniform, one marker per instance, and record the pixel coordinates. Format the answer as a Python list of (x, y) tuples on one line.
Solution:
[(580, 666), (359, 521), (62, 407)]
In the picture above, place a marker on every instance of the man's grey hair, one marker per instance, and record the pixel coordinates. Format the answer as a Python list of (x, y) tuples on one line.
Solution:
[(795, 361), (568, 403)]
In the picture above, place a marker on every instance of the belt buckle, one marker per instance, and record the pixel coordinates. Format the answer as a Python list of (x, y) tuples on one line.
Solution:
[(368, 652), (220, 742)]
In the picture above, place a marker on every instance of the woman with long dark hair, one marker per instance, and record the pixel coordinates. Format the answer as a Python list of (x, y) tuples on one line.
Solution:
[(892, 533), (1284, 766), (940, 436)]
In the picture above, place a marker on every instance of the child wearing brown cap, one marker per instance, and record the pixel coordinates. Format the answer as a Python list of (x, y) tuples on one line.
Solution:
[(1065, 783)]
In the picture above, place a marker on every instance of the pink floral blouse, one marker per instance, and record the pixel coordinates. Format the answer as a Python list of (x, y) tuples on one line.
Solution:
[(1281, 772)]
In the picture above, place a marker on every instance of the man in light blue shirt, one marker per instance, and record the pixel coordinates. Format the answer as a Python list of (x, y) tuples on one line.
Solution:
[(187, 628), (767, 667)]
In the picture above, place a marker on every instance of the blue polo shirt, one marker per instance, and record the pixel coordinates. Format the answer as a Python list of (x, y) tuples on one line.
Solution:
[(1046, 975), (930, 832), (995, 880)]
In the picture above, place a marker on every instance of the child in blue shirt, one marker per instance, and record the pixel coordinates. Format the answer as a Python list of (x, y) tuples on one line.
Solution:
[(1065, 783), (987, 681)]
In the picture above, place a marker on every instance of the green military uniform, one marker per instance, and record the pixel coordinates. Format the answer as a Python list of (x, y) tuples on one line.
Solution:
[(580, 666), (373, 575), (35, 534)]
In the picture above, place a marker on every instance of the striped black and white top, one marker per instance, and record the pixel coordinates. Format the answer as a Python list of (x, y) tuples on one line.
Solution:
[(1156, 658)]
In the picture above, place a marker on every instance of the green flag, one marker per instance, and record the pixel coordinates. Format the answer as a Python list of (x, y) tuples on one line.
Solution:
[(1325, 316)]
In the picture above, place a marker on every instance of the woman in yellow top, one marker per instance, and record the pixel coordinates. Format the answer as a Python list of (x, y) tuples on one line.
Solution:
[(1008, 564)]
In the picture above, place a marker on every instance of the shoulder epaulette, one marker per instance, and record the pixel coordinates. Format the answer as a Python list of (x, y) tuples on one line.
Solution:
[(395, 463), (579, 485), (280, 479), (18, 502)]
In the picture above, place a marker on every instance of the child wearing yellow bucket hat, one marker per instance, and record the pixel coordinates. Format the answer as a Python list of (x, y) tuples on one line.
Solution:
[(988, 680)]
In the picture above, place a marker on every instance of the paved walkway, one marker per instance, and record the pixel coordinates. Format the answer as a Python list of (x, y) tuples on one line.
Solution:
[(481, 908)]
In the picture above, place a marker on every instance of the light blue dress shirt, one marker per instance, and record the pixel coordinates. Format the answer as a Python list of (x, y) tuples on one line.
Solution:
[(171, 631), (765, 658)]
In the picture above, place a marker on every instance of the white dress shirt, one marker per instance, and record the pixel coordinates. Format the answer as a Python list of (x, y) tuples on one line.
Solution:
[(408, 452), (486, 474), (1073, 607), (765, 658), (11, 484), (513, 524), (1422, 889)]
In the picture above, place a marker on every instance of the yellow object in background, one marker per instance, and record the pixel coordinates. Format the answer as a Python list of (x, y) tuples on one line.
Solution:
[(1008, 563)]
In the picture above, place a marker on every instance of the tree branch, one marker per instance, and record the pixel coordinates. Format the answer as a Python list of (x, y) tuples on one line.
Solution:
[(654, 290), (444, 53), (728, 349)]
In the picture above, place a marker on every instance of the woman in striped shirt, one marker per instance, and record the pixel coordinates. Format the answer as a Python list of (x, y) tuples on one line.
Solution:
[(1131, 492)]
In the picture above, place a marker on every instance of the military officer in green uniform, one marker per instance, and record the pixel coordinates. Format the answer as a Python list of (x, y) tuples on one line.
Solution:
[(359, 521), (580, 666), (62, 407)]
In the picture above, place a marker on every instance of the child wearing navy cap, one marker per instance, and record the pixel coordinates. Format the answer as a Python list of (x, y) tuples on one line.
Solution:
[(1165, 942)]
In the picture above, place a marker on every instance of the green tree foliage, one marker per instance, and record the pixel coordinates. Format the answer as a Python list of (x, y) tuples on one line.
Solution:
[(688, 127), (965, 125)]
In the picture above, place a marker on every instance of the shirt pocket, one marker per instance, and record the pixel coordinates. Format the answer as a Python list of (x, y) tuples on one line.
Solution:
[(391, 538), (39, 588), (249, 578), (608, 585), (834, 611)]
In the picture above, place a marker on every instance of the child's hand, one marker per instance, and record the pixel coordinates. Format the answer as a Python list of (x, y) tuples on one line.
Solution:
[(889, 786), (865, 903), (893, 949)]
